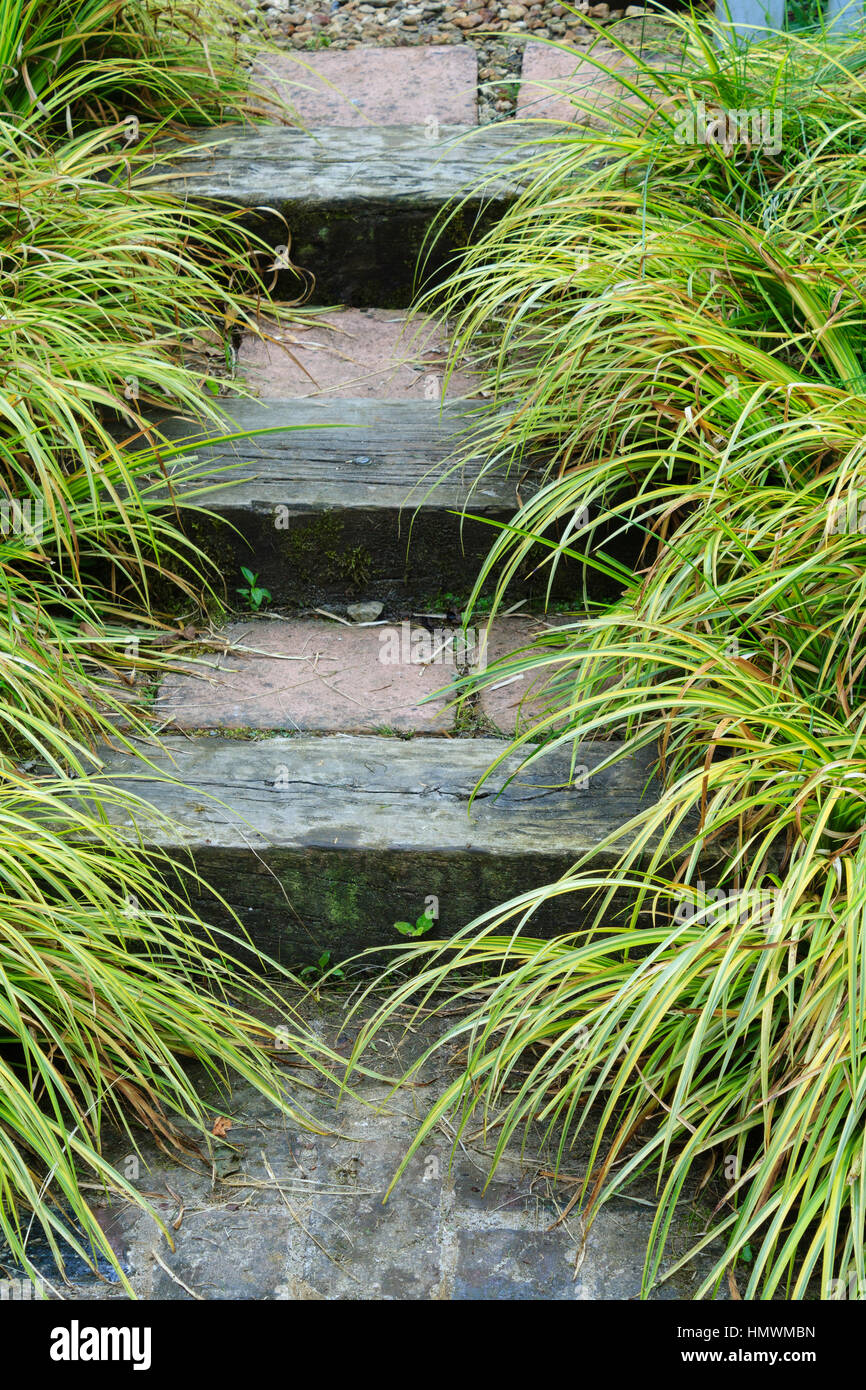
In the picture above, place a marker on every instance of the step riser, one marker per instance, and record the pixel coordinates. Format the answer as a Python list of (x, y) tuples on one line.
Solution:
[(294, 906), (337, 554), (371, 255), (334, 554)]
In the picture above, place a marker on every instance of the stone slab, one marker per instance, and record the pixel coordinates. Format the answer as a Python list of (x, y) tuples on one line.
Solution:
[(517, 1266), (514, 703), (386, 86), (306, 676), (299, 1216), (355, 353), (552, 75)]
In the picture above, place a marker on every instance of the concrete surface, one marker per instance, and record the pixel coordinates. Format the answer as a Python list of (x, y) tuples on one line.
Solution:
[(353, 353), (283, 1214), (386, 86), (304, 675)]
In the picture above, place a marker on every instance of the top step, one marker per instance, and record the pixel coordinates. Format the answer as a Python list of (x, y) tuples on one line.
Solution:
[(371, 85), (388, 140), (354, 205)]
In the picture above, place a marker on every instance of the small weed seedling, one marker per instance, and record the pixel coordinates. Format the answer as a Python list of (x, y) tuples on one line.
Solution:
[(322, 968), (419, 928), (254, 593)]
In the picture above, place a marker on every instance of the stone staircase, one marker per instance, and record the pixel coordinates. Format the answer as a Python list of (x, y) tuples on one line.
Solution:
[(317, 774), (310, 764)]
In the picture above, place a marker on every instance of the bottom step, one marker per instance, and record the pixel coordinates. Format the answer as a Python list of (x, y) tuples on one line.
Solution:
[(324, 843)]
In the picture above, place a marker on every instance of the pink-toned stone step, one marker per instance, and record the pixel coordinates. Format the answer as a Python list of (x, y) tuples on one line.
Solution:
[(514, 703), (427, 86), (552, 75), (318, 676), (311, 676), (354, 353)]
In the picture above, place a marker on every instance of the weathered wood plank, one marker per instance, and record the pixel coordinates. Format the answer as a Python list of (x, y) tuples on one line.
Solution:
[(348, 453), (323, 843), (284, 168), (354, 205), (340, 499)]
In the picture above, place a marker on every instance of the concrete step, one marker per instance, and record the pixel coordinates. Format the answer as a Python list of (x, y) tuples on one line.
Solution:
[(302, 675), (339, 498), (324, 843), (381, 354), (285, 1214), (376, 86), (315, 676), (350, 205)]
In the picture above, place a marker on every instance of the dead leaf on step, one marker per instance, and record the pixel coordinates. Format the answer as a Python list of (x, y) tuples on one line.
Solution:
[(176, 1223)]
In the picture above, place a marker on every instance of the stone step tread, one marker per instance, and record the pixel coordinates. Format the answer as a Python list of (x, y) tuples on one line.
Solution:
[(309, 675), (565, 85), (316, 675), (310, 1221), (388, 86), (353, 353)]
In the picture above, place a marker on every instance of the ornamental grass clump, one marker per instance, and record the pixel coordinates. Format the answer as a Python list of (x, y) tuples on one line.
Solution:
[(112, 296), (99, 61)]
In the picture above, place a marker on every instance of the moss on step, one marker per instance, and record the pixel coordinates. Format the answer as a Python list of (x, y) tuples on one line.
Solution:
[(317, 550), (239, 735)]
